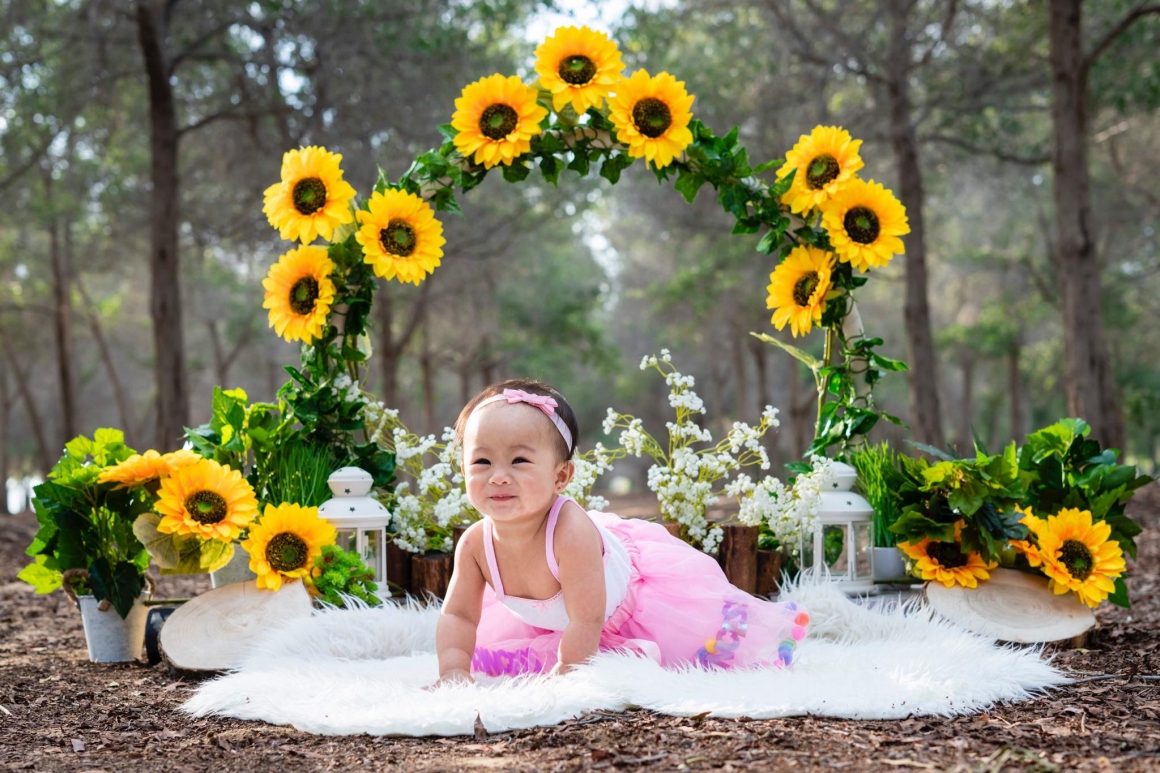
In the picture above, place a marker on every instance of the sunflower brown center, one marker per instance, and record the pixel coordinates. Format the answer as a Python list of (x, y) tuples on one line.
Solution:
[(303, 295), (206, 507), (804, 289), (948, 554), (286, 552), (1077, 558), (577, 70), (498, 121), (309, 195), (398, 238), (651, 117), (862, 225), (822, 170)]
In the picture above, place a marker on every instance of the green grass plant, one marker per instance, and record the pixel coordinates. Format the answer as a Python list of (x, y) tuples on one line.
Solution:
[(878, 481)]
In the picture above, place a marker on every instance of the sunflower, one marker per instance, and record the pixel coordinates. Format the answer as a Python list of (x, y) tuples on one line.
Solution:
[(207, 500), (1028, 547), (149, 467), (864, 221), (946, 562), (1079, 555), (652, 116), (578, 65), (299, 293), (312, 198), (285, 543), (496, 118), (798, 289), (400, 236), (825, 161)]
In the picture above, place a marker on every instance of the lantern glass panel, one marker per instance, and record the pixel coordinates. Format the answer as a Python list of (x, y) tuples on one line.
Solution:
[(862, 550), (836, 544), (807, 549), (347, 540), (374, 551)]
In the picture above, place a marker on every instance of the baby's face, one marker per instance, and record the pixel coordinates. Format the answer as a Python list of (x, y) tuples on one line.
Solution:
[(511, 465)]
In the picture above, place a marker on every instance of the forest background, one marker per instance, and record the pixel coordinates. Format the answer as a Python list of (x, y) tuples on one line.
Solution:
[(136, 139)]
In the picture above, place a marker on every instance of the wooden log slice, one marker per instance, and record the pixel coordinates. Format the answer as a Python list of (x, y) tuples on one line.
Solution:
[(737, 555), (672, 527), (1013, 606), (431, 574), (398, 568), (768, 572), (212, 632)]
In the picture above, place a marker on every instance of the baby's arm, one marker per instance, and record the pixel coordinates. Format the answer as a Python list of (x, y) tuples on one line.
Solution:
[(455, 634), (580, 554)]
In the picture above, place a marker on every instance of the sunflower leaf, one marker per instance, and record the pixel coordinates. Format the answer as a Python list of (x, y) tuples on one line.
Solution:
[(813, 363), (778, 189), (688, 184), (767, 165)]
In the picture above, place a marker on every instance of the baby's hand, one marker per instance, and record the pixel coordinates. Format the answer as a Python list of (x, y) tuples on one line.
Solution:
[(454, 676)]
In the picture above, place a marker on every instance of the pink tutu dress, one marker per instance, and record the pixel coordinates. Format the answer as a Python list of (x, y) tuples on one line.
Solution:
[(665, 600)]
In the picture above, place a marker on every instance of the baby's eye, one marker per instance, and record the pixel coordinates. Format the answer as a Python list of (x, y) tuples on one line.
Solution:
[(481, 461), (519, 459)]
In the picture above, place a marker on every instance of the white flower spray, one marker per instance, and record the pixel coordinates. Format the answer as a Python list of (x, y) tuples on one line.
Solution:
[(790, 514), (684, 478)]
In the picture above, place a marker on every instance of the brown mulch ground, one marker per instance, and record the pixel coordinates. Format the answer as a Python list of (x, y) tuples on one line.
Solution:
[(60, 712)]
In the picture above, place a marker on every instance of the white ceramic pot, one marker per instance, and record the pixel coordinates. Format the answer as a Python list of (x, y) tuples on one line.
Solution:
[(237, 570), (888, 565), (111, 639)]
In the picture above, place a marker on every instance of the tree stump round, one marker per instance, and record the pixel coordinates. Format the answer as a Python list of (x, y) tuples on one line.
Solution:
[(431, 574), (737, 555), (398, 569), (768, 572)]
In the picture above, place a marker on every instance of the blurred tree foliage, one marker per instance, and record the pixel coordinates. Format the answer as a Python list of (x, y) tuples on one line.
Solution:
[(573, 284)]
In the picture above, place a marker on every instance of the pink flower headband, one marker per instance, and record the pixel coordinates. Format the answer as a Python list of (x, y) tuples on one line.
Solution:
[(543, 402)]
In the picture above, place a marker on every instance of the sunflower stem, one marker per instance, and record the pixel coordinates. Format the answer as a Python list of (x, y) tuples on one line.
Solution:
[(824, 383)]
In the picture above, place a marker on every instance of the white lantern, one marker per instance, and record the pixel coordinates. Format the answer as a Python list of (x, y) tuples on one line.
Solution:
[(360, 519), (842, 545)]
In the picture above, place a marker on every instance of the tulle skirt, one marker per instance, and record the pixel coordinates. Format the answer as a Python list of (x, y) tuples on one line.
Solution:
[(680, 610)]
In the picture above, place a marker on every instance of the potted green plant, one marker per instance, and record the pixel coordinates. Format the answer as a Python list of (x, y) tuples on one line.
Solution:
[(86, 545), (879, 480)]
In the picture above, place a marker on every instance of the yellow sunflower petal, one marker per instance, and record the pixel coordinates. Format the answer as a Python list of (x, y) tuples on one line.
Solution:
[(312, 198), (496, 118), (1079, 555), (299, 293), (285, 542), (400, 236), (823, 162), (651, 116), (200, 500), (798, 288), (857, 219), (579, 66)]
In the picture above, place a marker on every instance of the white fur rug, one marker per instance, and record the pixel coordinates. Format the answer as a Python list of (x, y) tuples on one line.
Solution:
[(344, 672)]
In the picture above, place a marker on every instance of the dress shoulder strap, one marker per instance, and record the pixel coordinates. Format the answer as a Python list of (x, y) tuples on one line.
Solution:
[(550, 537), (489, 549)]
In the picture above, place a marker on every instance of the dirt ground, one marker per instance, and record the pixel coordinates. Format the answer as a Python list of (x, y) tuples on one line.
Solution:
[(59, 712)]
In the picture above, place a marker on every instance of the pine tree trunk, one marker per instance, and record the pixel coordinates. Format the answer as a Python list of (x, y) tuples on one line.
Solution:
[(5, 409), (427, 366), (1015, 392), (1091, 390), (164, 265), (61, 317), (967, 406), (740, 377), (121, 397), (24, 388), (925, 418), (385, 351)]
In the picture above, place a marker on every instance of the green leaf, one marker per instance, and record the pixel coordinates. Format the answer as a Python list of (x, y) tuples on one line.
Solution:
[(1119, 596), (813, 363), (767, 165), (121, 583), (688, 184), (515, 172), (779, 188), (165, 549), (214, 554), (935, 452), (40, 577), (612, 167)]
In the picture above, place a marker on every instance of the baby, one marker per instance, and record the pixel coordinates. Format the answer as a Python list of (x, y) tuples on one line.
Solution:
[(540, 585)]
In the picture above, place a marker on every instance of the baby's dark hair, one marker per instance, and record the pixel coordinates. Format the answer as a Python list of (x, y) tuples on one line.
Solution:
[(563, 410)]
